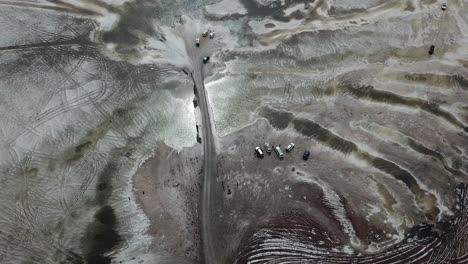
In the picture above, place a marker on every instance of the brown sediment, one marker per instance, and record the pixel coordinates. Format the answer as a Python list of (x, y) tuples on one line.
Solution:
[(366, 231), (369, 92), (425, 200), (314, 196), (444, 81), (389, 201), (291, 237), (409, 6), (428, 2), (163, 186)]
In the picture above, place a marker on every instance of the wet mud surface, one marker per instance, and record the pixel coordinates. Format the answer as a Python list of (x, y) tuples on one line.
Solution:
[(165, 186), (101, 148)]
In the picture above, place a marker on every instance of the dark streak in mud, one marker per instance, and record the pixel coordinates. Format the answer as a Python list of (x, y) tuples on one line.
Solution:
[(100, 236), (425, 200), (77, 41), (277, 118), (213, 17), (135, 24), (427, 151), (408, 179), (463, 82), (81, 149), (335, 12), (370, 93), (431, 79), (409, 6), (104, 184), (87, 143), (311, 129), (274, 10), (65, 8)]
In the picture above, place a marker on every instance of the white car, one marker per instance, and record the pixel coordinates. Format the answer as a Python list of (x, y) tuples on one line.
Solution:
[(205, 33), (212, 34), (290, 147), (197, 42), (259, 152), (279, 152)]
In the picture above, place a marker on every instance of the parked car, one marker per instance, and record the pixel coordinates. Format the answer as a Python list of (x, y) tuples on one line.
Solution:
[(290, 147), (259, 152), (268, 148), (205, 33), (444, 6), (306, 155), (206, 59), (212, 34), (279, 152), (431, 49), (197, 42)]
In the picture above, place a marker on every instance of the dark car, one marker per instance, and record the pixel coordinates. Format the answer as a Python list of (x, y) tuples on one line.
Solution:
[(268, 148), (306, 155), (431, 50), (206, 59)]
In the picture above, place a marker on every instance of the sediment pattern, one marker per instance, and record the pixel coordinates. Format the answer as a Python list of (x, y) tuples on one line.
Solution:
[(89, 89), (291, 238)]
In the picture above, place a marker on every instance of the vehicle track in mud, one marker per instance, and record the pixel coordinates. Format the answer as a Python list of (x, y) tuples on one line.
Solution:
[(291, 238)]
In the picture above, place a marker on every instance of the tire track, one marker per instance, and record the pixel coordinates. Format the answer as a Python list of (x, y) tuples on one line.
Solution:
[(291, 238), (84, 100), (65, 8)]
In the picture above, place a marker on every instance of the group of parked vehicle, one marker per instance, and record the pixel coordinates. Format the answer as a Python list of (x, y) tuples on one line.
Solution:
[(268, 148), (205, 33)]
